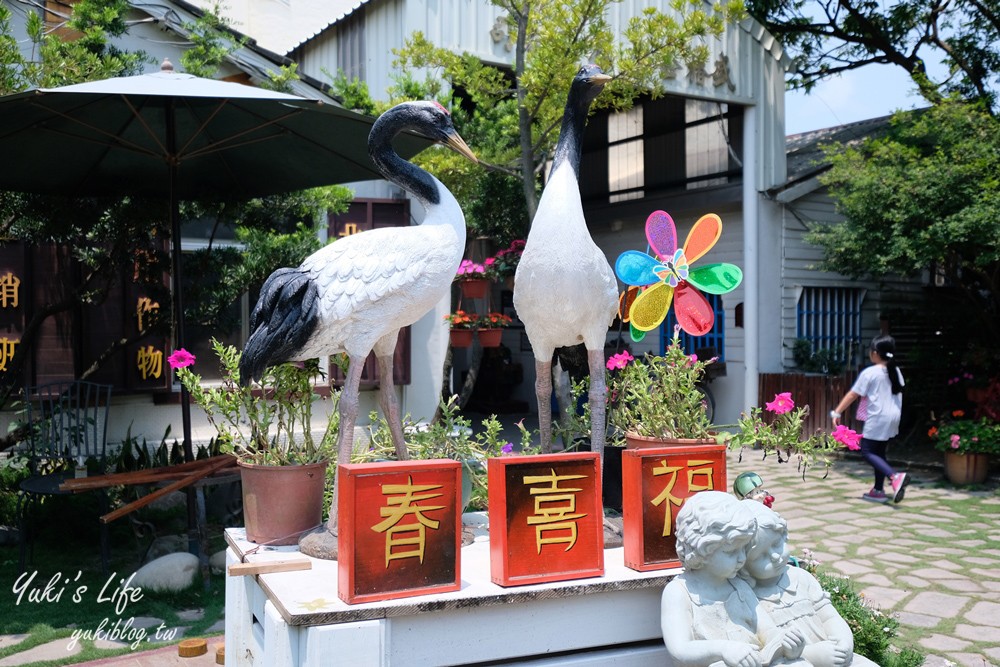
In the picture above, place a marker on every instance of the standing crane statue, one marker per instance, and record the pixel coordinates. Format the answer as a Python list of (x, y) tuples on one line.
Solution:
[(564, 290), (354, 295)]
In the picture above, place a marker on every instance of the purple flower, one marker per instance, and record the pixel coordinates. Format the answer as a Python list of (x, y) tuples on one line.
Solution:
[(507, 448)]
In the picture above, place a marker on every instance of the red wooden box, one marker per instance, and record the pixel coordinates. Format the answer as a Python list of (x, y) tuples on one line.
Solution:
[(400, 529), (546, 518), (655, 483)]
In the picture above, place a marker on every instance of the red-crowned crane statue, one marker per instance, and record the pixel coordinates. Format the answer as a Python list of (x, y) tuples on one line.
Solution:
[(354, 295)]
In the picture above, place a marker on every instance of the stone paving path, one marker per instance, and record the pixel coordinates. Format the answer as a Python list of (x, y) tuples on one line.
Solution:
[(933, 560)]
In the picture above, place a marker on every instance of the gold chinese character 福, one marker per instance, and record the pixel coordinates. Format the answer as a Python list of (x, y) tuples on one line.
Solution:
[(696, 469), (350, 228), (555, 509), (400, 537)]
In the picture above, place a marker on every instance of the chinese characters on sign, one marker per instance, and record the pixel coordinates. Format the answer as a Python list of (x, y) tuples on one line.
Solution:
[(555, 513), (146, 310), (655, 484), (399, 529), (546, 518), (7, 349), (10, 290), (149, 361), (407, 540)]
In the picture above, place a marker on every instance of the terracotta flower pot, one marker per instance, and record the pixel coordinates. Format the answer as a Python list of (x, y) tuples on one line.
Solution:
[(461, 337), (636, 441), (490, 337), (962, 469), (282, 502), (474, 288)]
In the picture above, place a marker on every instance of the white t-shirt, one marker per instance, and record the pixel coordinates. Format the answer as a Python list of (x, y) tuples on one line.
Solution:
[(883, 406)]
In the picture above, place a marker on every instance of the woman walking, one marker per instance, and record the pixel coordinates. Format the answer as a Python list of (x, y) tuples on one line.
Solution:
[(880, 388)]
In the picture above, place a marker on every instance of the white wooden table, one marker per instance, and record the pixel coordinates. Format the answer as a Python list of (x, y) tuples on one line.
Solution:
[(296, 618)]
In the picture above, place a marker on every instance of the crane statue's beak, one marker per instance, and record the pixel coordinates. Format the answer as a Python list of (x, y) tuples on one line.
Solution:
[(599, 79), (458, 144)]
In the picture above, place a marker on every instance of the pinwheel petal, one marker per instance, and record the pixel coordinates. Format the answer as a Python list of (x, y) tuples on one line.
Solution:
[(636, 335), (693, 311), (661, 232), (702, 236), (625, 301), (637, 268), (650, 307), (719, 278)]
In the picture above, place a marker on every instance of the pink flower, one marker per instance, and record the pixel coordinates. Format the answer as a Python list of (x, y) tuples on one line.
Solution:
[(781, 404), (692, 359), (956, 440), (847, 437), (489, 260), (619, 361), (180, 359)]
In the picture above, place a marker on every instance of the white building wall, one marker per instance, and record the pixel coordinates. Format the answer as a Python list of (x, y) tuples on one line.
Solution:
[(800, 268)]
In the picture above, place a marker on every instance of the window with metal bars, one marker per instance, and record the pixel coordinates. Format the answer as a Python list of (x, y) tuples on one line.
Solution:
[(830, 319), (700, 345)]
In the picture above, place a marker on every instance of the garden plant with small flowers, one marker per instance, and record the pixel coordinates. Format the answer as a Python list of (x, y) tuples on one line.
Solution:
[(462, 320), (469, 270), (493, 321), (504, 263), (966, 436), (778, 429), (657, 396), (269, 423)]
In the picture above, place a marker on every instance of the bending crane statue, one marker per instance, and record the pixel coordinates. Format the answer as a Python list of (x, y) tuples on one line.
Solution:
[(564, 290), (354, 295)]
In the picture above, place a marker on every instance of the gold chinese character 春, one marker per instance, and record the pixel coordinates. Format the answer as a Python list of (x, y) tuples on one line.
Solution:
[(410, 539), (9, 290), (145, 306), (7, 349), (555, 509), (149, 361)]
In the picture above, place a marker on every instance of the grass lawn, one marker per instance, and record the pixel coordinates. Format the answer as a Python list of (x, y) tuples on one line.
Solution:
[(62, 591)]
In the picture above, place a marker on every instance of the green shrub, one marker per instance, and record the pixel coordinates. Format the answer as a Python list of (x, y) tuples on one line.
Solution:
[(873, 630)]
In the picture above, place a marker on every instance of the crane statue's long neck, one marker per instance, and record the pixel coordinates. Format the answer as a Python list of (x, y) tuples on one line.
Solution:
[(408, 176), (571, 132)]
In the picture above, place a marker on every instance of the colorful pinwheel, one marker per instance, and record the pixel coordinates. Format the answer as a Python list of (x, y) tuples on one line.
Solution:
[(668, 277)]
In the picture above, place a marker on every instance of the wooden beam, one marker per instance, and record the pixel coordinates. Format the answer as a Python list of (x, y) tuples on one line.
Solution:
[(192, 477), (150, 475), (269, 567)]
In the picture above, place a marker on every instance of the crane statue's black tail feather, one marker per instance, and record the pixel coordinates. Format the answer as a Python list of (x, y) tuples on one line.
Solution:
[(281, 323)]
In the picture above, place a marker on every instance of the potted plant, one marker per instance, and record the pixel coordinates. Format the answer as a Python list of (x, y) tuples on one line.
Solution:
[(503, 265), (449, 436), (968, 446), (472, 279), (462, 325), (778, 429), (490, 328), (268, 428), (655, 400)]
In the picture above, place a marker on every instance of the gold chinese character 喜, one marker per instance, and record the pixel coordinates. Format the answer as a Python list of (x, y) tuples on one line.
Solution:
[(555, 509), (402, 501)]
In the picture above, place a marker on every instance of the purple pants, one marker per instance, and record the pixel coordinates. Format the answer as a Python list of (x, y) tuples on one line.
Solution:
[(873, 452)]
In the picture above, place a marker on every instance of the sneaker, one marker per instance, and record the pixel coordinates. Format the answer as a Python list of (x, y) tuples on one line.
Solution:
[(899, 482), (875, 496)]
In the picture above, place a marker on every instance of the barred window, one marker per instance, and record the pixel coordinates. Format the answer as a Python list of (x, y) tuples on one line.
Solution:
[(830, 319)]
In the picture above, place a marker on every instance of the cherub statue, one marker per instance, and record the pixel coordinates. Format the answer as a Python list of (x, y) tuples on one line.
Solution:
[(793, 597), (710, 617)]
